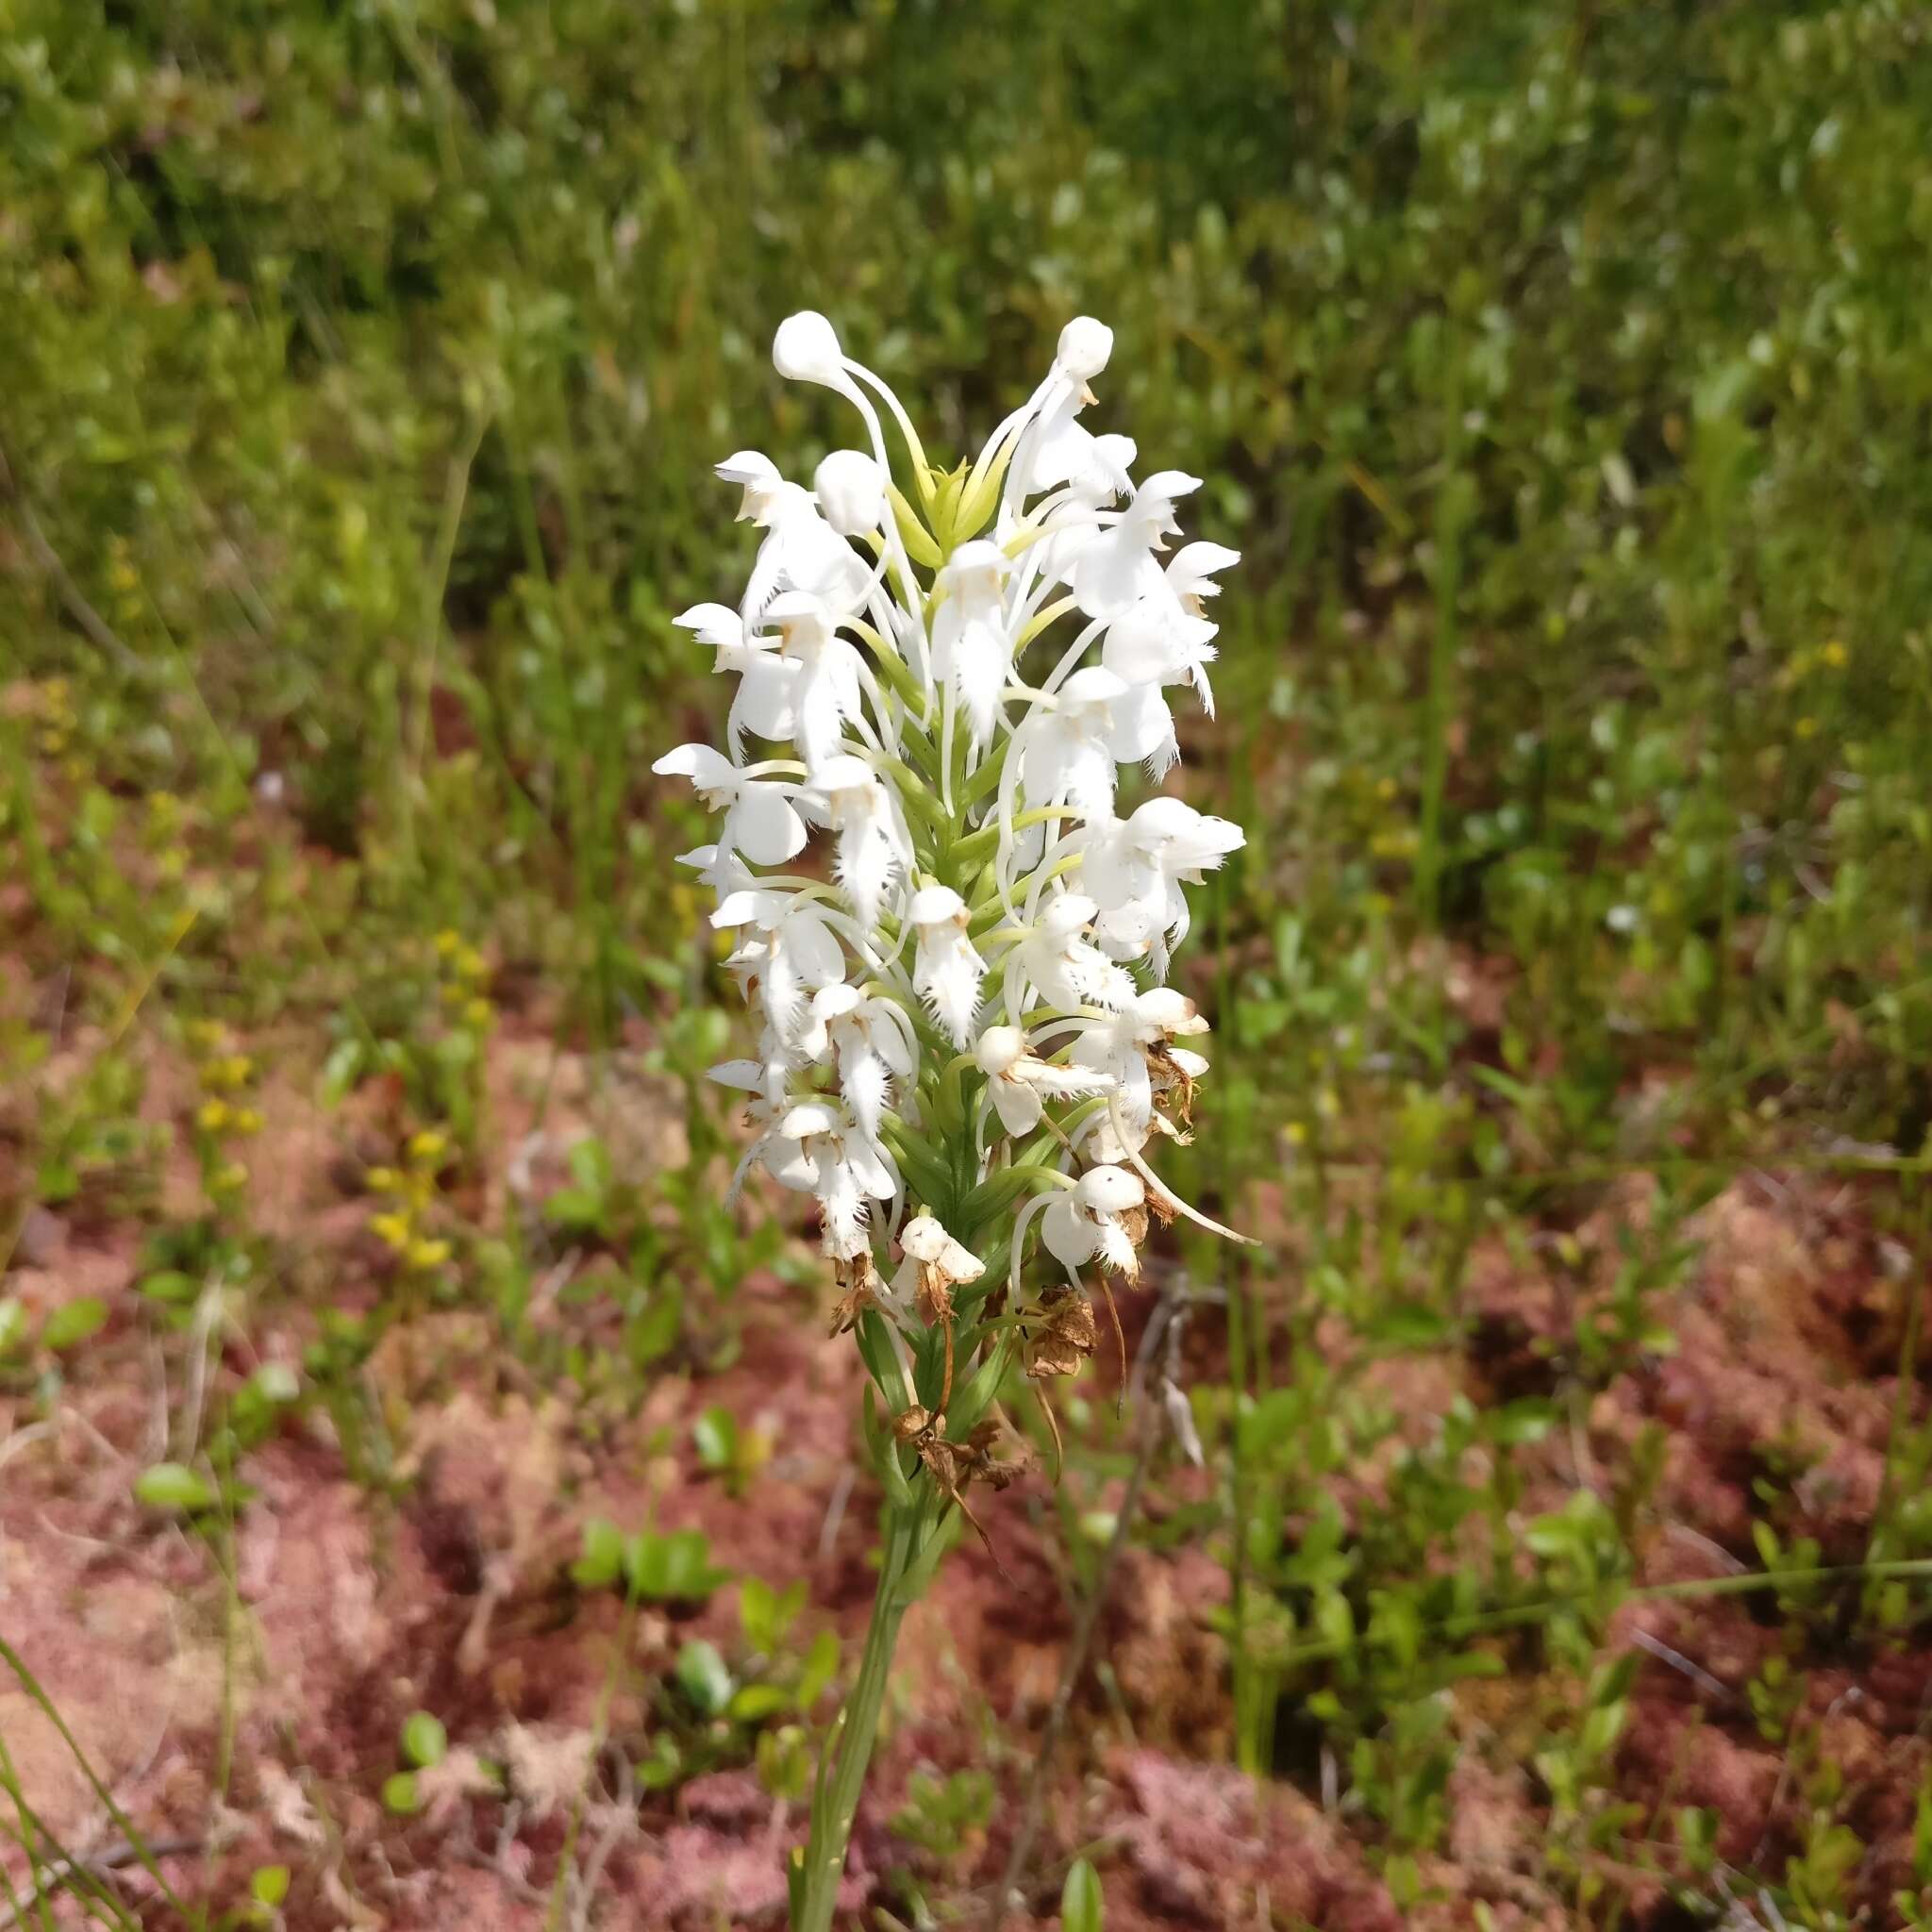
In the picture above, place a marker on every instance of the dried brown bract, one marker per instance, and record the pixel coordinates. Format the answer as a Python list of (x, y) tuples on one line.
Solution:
[(1060, 1334), (857, 1285), (955, 1465)]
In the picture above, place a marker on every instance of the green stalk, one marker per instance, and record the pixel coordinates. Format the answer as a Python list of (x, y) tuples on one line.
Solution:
[(815, 1878), (1454, 506)]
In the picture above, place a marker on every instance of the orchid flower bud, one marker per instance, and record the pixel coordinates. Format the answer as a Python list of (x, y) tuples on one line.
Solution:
[(851, 492), (805, 349), (1084, 348)]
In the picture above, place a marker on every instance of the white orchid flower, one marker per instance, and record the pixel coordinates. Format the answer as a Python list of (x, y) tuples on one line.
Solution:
[(1134, 868), (1088, 1222), (1165, 637), (972, 640), (760, 820), (756, 476), (874, 847), (1062, 965), (764, 701), (826, 694), (1117, 569), (818, 1149), (1019, 1083), (851, 491), (870, 1039), (801, 551), (792, 950), (1124, 1048), (946, 969), (1075, 738)]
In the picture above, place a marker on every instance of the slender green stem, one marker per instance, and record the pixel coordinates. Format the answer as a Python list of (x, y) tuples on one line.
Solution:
[(455, 493), (815, 1893)]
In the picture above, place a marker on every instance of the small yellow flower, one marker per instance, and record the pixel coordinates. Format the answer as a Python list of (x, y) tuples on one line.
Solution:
[(448, 941), (381, 1180), (212, 1116), (471, 964), (478, 1014), (1385, 787), (247, 1121), (424, 1254), (428, 1145), (392, 1230), (227, 1179), (1297, 1133), (1807, 727), (1835, 655)]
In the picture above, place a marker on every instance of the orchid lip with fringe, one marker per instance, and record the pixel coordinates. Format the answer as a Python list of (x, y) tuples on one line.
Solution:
[(952, 929)]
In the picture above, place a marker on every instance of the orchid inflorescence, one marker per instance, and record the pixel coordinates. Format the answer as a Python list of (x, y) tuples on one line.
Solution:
[(969, 1015)]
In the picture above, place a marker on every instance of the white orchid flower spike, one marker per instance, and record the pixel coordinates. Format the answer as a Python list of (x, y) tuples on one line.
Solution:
[(952, 890)]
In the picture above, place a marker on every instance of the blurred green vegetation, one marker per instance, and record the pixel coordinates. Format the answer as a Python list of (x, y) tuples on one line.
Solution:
[(1563, 373)]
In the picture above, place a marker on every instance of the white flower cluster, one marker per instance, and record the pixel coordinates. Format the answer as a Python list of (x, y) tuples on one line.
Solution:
[(973, 983)]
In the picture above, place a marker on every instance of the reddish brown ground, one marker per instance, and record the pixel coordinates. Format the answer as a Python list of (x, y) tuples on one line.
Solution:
[(351, 1608)]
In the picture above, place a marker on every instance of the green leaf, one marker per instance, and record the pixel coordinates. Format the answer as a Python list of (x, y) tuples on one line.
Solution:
[(12, 1324), (875, 1349), (591, 1166), (72, 1322), (885, 1453), (703, 1677), (425, 1740), (174, 1486), (688, 1570), (1410, 1326), (654, 1334), (399, 1793), (981, 494), (662, 1767), (715, 1433), (170, 1287), (575, 1208), (268, 1885), (673, 1568), (602, 1562), (912, 533), (1528, 1418), (1082, 1909), (341, 1071), (758, 1613), (756, 1701)]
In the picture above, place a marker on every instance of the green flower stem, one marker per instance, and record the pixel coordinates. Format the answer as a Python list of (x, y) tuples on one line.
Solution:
[(815, 1893)]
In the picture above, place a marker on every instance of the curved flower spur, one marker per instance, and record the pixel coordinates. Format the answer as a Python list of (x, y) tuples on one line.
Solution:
[(965, 1040)]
